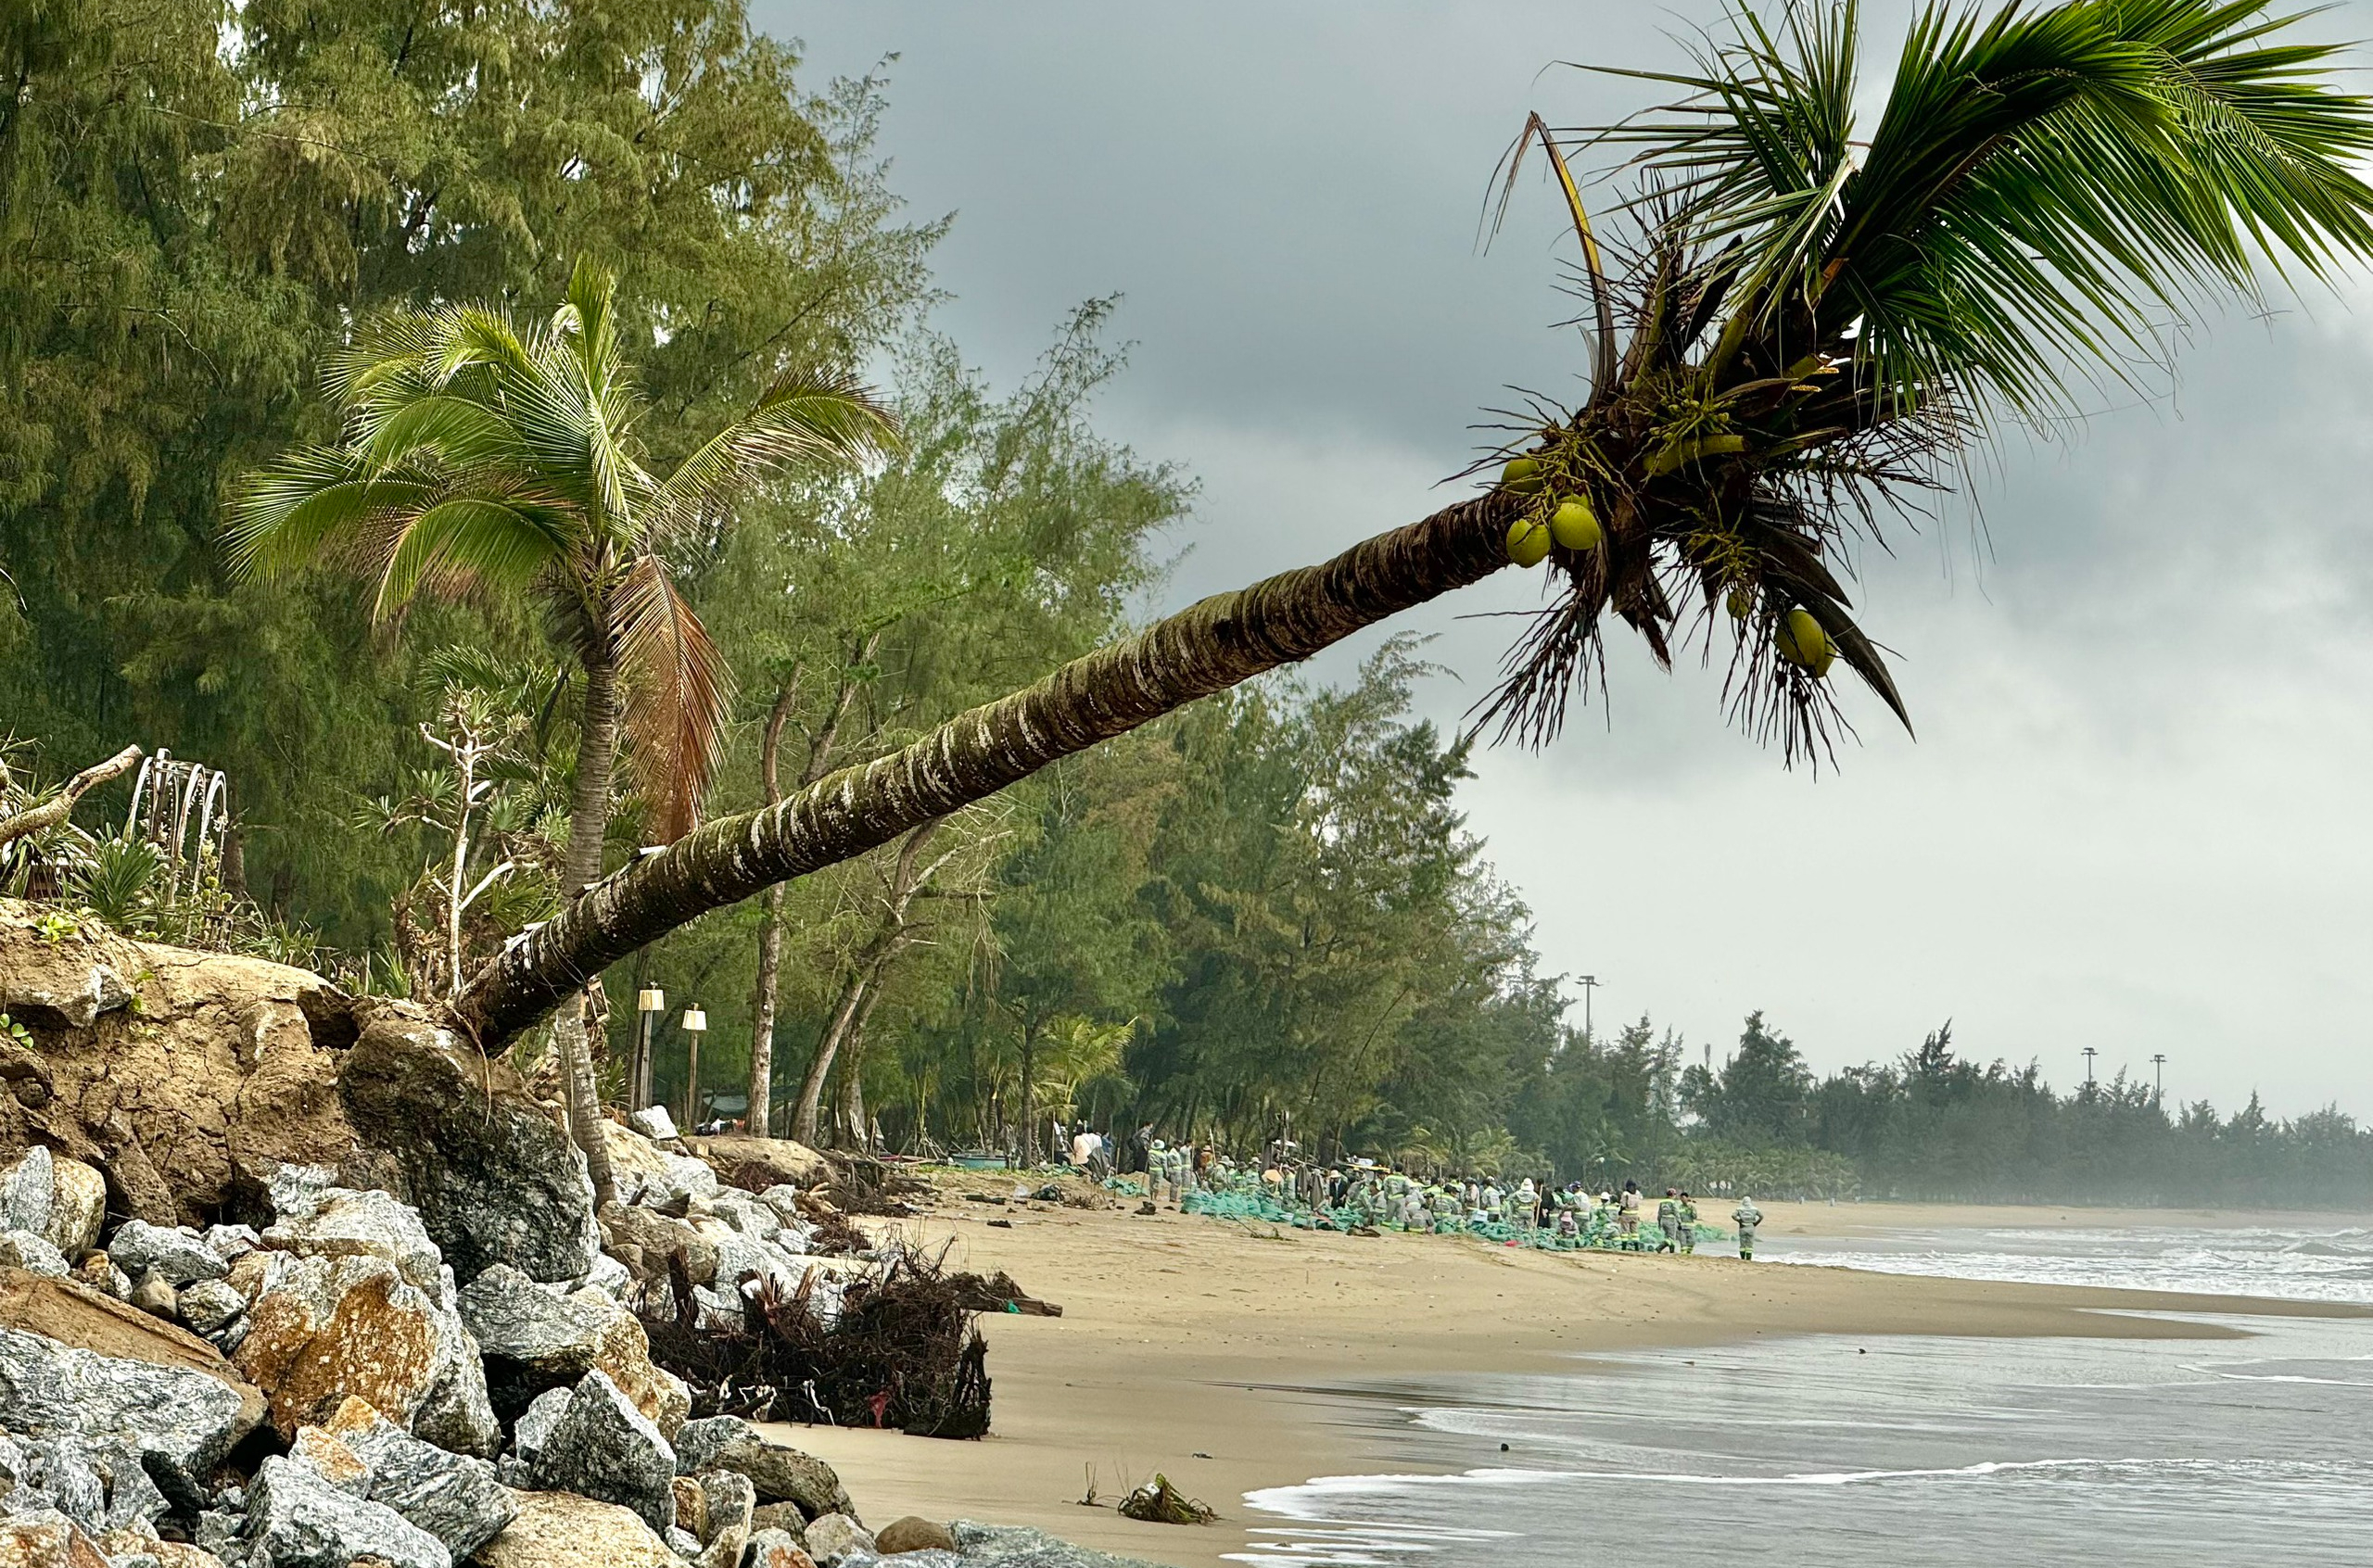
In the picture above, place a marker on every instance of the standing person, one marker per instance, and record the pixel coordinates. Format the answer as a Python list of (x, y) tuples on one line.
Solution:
[(1627, 1211), (1688, 1223), (1140, 1151), (1746, 1217), (1668, 1220)]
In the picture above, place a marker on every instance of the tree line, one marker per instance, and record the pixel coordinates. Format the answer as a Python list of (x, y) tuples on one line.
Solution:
[(1930, 1125)]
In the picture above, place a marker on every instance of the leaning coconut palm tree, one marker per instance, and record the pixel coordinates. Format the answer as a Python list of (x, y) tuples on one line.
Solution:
[(484, 456), (1802, 330)]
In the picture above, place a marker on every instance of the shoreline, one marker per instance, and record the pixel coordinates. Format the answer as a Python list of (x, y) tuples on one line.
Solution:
[(1227, 1356)]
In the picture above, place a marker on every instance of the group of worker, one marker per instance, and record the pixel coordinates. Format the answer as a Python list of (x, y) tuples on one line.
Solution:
[(1364, 1194)]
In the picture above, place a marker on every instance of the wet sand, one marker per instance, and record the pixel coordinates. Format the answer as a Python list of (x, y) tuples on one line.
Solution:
[(1205, 1349)]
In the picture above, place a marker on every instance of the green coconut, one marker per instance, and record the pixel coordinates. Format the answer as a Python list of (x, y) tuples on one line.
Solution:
[(1574, 525), (1740, 603), (1528, 541), (1521, 475), (1802, 642)]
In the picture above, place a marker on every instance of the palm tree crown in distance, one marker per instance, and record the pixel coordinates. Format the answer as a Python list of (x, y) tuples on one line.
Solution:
[(1802, 327), (481, 455)]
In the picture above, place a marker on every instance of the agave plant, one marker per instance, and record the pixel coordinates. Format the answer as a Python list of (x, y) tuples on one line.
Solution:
[(1811, 324)]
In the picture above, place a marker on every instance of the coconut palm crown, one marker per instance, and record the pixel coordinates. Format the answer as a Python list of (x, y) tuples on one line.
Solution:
[(1806, 326), (481, 455)]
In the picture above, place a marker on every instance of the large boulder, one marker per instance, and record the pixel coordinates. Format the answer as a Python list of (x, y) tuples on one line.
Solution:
[(453, 1496), (225, 1069), (781, 1474), (491, 1171), (324, 1329), (182, 1421), (604, 1448), (342, 1222), (74, 1315), (62, 1201), (298, 1519), (535, 1340), (561, 1530)]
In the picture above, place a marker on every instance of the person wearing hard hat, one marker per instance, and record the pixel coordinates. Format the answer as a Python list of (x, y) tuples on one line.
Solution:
[(1746, 1217)]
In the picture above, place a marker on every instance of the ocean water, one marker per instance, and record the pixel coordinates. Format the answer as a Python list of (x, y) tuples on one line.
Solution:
[(1845, 1451)]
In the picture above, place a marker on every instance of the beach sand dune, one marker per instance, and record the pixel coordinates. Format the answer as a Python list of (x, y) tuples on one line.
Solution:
[(1204, 1350)]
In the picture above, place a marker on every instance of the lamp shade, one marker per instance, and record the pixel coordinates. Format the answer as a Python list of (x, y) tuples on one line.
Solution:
[(650, 999), (696, 1020)]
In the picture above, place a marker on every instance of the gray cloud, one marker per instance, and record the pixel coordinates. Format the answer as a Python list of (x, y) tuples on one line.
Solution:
[(2137, 654)]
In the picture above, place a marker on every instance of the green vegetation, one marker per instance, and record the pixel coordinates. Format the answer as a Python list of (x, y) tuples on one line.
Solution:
[(547, 324)]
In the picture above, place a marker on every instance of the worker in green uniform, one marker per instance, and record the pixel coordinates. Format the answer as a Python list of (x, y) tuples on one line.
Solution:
[(1746, 1217)]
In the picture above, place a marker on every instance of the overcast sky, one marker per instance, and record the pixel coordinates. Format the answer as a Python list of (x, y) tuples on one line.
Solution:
[(2141, 662)]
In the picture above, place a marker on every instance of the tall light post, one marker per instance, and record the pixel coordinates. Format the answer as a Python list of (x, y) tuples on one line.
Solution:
[(694, 1023), (2159, 1075), (1588, 984), (649, 1003), (2089, 1055)]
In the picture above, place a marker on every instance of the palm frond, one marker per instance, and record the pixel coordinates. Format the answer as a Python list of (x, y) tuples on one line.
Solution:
[(804, 416), (679, 695), (1821, 329)]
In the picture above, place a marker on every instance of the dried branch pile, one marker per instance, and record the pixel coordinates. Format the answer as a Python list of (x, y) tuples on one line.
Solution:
[(903, 1351)]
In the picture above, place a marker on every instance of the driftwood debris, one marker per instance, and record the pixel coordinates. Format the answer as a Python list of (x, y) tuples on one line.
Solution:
[(1158, 1503), (59, 807)]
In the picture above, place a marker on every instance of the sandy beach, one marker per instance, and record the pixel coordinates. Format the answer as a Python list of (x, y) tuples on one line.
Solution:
[(1206, 1350)]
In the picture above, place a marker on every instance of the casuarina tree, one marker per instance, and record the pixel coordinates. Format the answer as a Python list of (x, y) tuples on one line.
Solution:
[(485, 455), (1802, 325)]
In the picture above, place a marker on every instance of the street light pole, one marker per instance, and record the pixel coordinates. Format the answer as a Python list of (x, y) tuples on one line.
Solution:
[(649, 1003), (1588, 984), (2089, 1055), (694, 1024), (2159, 1075)]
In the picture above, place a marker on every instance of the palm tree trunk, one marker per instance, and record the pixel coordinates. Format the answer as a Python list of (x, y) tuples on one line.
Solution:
[(864, 971), (762, 1002), (589, 822), (1207, 648)]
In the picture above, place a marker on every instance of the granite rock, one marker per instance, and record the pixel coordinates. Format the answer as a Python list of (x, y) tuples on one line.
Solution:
[(604, 1448), (208, 1306), (491, 1171), (324, 1327), (176, 1254), (182, 1421), (297, 1519), (78, 1207), (32, 1253), (836, 1535), (536, 1422), (780, 1474), (776, 1548), (558, 1530), (727, 1502), (454, 1497), (342, 1222)]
